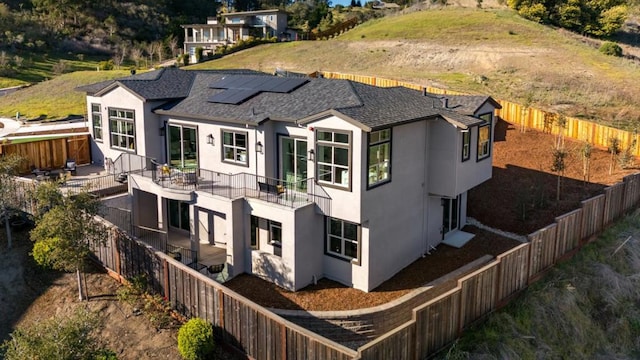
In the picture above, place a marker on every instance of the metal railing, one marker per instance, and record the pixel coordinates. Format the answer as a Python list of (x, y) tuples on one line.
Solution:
[(159, 240), (232, 186)]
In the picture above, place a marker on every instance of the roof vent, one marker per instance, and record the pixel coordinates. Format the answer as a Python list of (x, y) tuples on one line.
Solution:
[(445, 102)]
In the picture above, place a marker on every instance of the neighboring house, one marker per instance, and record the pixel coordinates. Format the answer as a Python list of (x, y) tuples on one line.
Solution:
[(297, 178), (229, 28)]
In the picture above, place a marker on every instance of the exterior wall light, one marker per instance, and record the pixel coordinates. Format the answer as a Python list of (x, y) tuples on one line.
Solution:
[(210, 140), (259, 147), (312, 155)]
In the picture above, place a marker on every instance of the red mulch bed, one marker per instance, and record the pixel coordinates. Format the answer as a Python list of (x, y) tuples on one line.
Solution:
[(520, 198)]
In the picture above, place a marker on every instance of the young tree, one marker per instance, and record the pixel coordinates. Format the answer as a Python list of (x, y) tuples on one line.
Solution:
[(559, 154), (614, 150), (585, 153), (66, 231), (8, 168)]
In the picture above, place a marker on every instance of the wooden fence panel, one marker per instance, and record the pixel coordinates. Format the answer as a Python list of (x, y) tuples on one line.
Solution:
[(396, 344), (437, 323), (631, 192), (614, 202), (513, 271), (478, 294), (592, 216), (543, 249), (568, 232)]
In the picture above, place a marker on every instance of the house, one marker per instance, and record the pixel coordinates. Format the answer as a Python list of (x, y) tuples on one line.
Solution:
[(296, 178), (229, 28)]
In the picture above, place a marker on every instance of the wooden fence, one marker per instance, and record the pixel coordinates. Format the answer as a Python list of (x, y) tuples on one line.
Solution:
[(51, 153), (520, 115), (257, 332), (441, 320)]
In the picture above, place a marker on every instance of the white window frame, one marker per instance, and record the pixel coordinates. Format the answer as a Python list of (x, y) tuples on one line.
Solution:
[(376, 140), (343, 240), (273, 225), (466, 145), (484, 147), (119, 119), (334, 144), (96, 122), (235, 149)]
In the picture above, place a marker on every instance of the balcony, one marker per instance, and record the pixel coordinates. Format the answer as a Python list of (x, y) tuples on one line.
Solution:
[(292, 194)]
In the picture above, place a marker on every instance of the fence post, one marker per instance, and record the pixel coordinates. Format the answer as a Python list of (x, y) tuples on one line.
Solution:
[(116, 249), (165, 272)]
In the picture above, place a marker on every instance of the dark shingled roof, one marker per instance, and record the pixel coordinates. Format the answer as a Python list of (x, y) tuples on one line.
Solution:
[(188, 94), (469, 104)]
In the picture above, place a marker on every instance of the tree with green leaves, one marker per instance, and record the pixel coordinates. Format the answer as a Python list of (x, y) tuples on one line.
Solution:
[(73, 337), (65, 230), (590, 17), (9, 165)]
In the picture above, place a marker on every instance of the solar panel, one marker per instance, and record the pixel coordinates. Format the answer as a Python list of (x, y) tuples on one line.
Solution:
[(232, 96), (238, 88)]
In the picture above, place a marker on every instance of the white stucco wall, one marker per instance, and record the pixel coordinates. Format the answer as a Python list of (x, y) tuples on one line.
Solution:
[(444, 141), (395, 213), (309, 246)]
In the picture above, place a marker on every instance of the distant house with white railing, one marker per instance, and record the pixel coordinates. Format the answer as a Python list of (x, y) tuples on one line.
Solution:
[(295, 178), (229, 28)]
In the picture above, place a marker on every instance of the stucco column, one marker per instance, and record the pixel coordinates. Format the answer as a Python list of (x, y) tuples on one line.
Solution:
[(186, 39)]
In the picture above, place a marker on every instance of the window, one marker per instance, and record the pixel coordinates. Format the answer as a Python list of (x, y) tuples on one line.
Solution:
[(333, 159), (96, 119), (466, 145), (343, 239), (484, 137), (379, 157), (122, 128), (255, 232), (183, 146), (234, 147), (275, 233)]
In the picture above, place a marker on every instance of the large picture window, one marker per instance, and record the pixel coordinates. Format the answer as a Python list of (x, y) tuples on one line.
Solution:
[(96, 121), (234, 147), (333, 159), (122, 128), (379, 157), (466, 145), (343, 239), (484, 137)]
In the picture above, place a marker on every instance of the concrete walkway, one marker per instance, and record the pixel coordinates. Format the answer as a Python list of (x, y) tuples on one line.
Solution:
[(473, 222)]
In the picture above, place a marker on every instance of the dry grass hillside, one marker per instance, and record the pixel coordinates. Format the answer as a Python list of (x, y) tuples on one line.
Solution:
[(491, 51)]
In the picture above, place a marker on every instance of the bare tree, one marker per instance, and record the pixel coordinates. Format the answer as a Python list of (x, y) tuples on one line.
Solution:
[(151, 51), (559, 153), (159, 45), (172, 41), (135, 55), (120, 55)]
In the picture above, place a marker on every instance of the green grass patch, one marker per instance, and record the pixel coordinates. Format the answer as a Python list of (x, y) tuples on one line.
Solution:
[(37, 67), (54, 98), (584, 308)]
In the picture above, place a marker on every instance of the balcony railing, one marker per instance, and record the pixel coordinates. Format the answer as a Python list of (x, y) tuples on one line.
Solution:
[(232, 186)]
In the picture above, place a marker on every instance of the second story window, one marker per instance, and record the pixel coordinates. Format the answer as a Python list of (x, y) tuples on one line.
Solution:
[(466, 145), (334, 157), (484, 137), (122, 129), (96, 121), (234, 147), (379, 157)]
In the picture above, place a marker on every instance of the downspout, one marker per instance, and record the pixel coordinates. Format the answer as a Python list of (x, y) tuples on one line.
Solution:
[(425, 191)]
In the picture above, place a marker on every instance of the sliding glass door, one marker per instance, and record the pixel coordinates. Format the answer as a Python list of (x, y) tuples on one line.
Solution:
[(293, 162), (183, 146)]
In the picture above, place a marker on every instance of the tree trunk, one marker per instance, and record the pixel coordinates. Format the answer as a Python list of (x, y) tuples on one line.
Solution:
[(80, 295), (8, 227), (558, 188)]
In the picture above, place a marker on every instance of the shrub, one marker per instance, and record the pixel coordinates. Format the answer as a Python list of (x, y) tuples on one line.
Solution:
[(611, 49), (199, 51), (195, 339), (105, 65)]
